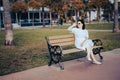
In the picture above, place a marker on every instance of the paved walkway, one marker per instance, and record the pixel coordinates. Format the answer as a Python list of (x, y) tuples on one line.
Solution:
[(78, 69)]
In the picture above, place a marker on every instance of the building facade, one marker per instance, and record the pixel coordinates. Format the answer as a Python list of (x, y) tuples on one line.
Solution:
[(33, 17)]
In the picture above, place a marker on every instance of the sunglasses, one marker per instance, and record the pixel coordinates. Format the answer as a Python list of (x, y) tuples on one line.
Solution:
[(79, 23)]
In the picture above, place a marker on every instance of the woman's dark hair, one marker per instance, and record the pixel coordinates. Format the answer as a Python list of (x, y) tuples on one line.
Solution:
[(83, 27)]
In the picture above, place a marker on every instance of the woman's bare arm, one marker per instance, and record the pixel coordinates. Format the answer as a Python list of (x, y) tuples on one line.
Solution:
[(70, 28)]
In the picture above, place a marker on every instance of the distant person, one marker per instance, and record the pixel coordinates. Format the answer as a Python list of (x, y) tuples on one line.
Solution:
[(82, 40)]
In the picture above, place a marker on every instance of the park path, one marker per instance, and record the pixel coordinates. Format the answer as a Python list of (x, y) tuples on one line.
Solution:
[(77, 69)]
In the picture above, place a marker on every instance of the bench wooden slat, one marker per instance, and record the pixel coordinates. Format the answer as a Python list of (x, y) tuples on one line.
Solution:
[(59, 37), (97, 46), (63, 44), (65, 40), (73, 50)]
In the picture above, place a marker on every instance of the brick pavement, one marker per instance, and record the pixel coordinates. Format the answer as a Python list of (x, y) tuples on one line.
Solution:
[(78, 69)]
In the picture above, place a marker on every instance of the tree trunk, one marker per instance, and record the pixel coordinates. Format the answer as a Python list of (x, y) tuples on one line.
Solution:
[(7, 24), (89, 16), (43, 21), (33, 18), (116, 25), (50, 20), (109, 17), (16, 17), (0, 22), (98, 14)]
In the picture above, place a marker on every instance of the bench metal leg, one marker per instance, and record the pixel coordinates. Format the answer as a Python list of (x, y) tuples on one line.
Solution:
[(50, 63), (61, 66), (57, 60), (51, 60), (101, 57), (55, 56), (97, 51)]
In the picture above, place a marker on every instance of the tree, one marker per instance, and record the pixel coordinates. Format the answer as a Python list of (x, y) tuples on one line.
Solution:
[(44, 4), (77, 5), (34, 5), (108, 11), (55, 6), (98, 5), (90, 7), (65, 8), (7, 24), (116, 25), (19, 7)]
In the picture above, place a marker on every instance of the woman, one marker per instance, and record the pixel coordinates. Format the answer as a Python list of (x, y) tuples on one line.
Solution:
[(82, 41)]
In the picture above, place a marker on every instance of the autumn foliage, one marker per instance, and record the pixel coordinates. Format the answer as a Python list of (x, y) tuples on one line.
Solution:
[(77, 4), (19, 6), (99, 3), (34, 4)]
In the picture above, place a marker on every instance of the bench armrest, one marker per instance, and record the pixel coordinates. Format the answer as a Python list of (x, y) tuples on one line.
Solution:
[(97, 42), (53, 49), (56, 49)]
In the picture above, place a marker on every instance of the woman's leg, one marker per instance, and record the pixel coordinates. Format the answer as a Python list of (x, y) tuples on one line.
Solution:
[(88, 54), (94, 60), (91, 57)]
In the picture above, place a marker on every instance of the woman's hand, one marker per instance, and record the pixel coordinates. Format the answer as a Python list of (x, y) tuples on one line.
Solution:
[(74, 24), (70, 28), (86, 38), (82, 44)]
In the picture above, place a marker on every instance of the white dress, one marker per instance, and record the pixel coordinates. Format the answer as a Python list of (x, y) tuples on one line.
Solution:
[(80, 36)]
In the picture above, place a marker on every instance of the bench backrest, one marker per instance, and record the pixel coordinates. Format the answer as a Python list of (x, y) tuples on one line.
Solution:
[(62, 40)]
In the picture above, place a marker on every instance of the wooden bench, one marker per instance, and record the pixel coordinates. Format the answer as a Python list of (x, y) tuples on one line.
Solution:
[(56, 43)]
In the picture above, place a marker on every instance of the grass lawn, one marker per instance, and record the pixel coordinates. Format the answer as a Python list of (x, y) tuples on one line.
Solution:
[(30, 48)]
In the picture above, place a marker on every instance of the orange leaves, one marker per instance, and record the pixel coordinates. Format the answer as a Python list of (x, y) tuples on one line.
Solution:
[(34, 4), (77, 3), (99, 3), (19, 6), (64, 8)]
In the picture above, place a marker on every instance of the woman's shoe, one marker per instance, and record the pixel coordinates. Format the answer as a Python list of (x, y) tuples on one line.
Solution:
[(97, 63), (89, 59)]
